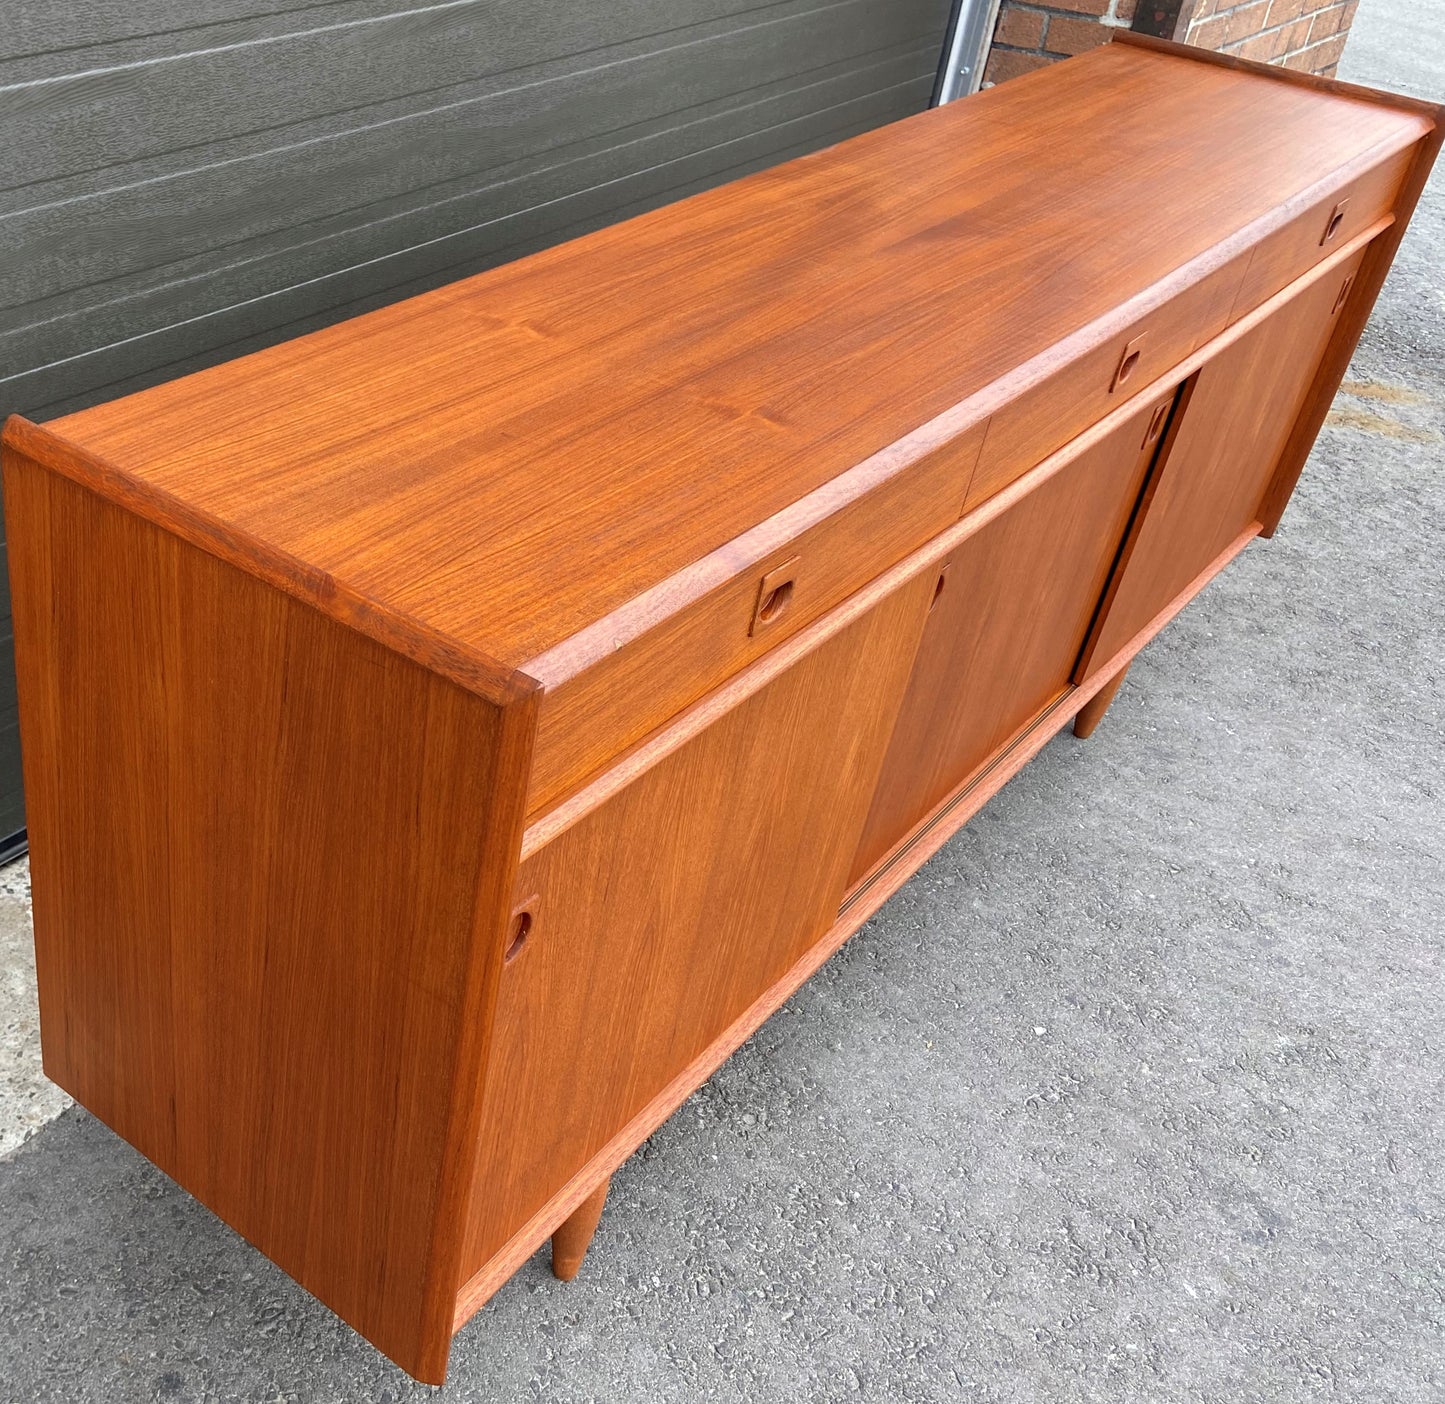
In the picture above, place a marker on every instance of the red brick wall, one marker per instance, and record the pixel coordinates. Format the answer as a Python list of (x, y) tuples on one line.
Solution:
[(1030, 36), (1305, 34)]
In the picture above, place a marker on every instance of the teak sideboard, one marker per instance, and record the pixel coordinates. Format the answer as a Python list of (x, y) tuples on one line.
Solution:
[(449, 734)]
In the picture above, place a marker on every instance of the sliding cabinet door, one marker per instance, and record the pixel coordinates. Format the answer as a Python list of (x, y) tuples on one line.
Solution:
[(1011, 612), (648, 927), (1219, 459)]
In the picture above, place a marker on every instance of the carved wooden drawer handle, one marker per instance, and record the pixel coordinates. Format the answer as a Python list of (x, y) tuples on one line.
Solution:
[(1128, 362), (775, 594), (1332, 225)]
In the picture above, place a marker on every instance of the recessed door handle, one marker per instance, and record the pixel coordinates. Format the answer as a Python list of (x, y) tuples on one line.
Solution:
[(519, 929), (1157, 421), (939, 583)]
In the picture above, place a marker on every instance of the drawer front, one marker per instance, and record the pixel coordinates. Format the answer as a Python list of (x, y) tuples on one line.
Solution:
[(1084, 389), (774, 581), (651, 925), (1328, 224)]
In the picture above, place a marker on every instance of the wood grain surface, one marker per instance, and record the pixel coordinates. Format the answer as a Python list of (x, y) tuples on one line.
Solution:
[(1014, 604), (1220, 458), (1329, 223), (475, 458), (638, 963), (616, 681), (1080, 390), (957, 809), (224, 183), (1092, 712), (861, 903), (180, 184), (449, 734), (1348, 327), (269, 858)]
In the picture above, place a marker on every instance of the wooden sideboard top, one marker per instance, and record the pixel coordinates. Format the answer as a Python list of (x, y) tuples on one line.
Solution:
[(503, 461)]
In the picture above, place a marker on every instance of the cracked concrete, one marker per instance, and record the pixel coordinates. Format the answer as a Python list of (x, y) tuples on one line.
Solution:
[(1136, 1093)]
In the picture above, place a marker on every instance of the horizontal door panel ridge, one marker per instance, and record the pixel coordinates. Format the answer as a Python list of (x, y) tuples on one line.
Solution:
[(316, 70), (435, 170)]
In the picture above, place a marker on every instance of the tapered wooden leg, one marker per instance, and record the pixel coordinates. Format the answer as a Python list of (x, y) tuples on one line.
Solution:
[(1092, 712), (569, 1243)]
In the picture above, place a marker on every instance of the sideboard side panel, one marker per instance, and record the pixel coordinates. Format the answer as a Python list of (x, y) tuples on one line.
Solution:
[(269, 860)]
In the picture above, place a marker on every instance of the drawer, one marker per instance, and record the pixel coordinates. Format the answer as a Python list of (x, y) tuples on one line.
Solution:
[(1328, 224), (1085, 387), (610, 685)]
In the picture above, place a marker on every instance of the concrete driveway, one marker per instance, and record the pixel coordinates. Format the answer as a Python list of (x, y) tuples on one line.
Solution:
[(1136, 1093)]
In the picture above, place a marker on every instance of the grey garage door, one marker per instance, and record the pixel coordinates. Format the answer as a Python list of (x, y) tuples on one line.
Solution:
[(184, 182)]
